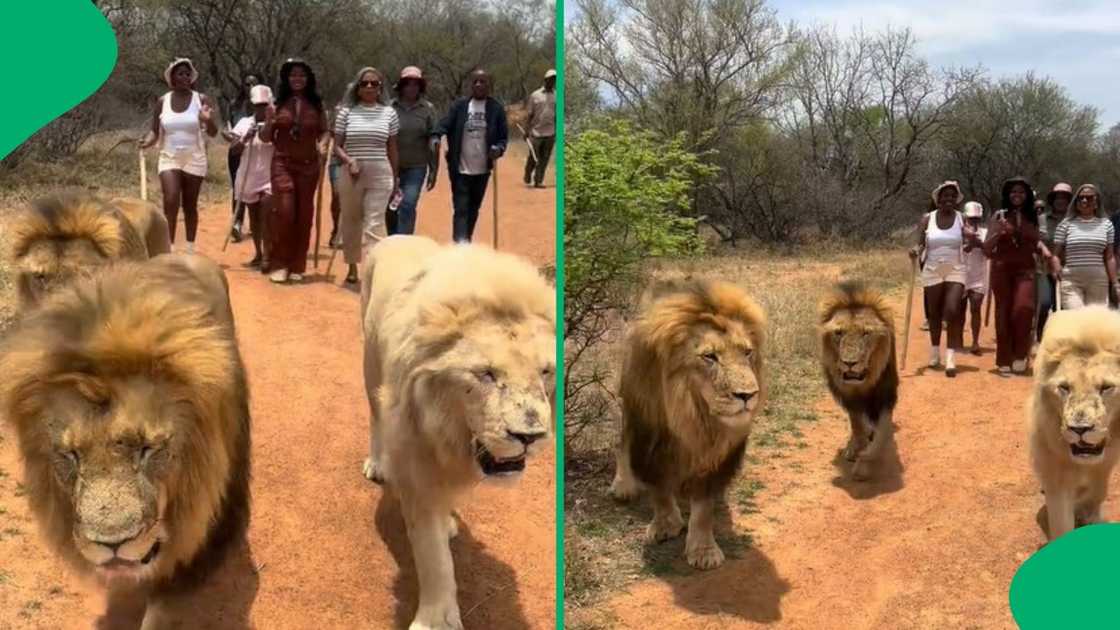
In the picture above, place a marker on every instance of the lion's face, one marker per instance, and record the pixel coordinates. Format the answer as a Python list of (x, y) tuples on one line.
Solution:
[(1086, 390), (724, 370), (49, 263), (857, 346), (114, 453), (496, 384)]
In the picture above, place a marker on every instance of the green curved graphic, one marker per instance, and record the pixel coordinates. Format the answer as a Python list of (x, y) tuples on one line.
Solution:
[(1070, 583), (58, 53)]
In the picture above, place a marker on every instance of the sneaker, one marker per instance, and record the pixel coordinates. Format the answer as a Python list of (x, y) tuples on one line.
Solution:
[(950, 365), (538, 185), (1019, 366), (925, 325), (235, 233), (190, 247), (296, 277), (1004, 371), (279, 276)]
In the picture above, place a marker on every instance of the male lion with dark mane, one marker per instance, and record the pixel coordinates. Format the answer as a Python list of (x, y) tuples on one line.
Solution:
[(856, 329), (460, 347), (58, 238), (128, 397), (1074, 414), (691, 385)]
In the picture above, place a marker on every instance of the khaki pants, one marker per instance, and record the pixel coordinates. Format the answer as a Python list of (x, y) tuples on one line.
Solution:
[(1082, 286), (364, 200)]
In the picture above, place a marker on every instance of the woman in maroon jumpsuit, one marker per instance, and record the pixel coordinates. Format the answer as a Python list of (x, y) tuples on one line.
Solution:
[(295, 126)]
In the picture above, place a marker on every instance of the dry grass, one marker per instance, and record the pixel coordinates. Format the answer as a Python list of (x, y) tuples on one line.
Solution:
[(603, 546)]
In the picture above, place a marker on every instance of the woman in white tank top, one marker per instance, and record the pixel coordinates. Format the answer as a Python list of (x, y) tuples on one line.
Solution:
[(180, 117), (942, 235)]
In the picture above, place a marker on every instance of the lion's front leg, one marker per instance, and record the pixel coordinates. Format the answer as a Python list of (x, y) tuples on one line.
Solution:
[(700, 548), (1059, 511), (882, 434), (428, 533), (124, 610), (667, 520), (1088, 510), (857, 441), (373, 468), (158, 616), (625, 485)]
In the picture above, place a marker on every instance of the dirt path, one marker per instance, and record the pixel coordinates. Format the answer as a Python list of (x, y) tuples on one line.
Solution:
[(327, 549), (933, 544)]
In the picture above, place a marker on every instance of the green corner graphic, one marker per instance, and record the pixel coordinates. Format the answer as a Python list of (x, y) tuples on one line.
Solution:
[(1070, 583), (59, 52)]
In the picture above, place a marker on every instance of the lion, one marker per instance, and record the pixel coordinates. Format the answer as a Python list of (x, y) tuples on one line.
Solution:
[(129, 401), (1074, 414), (59, 237), (459, 362), (691, 385), (857, 341)]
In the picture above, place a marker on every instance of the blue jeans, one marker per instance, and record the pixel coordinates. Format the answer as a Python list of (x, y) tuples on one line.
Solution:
[(412, 182), (467, 192)]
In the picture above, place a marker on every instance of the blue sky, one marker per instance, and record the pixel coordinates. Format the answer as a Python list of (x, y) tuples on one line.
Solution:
[(1077, 45)]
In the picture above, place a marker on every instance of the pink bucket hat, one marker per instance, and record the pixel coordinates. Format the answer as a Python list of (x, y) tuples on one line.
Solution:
[(973, 210), (180, 60), (260, 94), (411, 72), (1059, 188), (948, 184)]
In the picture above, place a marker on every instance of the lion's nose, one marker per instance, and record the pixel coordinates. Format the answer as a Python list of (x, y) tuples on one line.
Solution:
[(1080, 430), (526, 438), (744, 396), (850, 364)]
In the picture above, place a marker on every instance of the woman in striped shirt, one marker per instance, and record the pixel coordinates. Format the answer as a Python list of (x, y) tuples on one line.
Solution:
[(1083, 242), (365, 141)]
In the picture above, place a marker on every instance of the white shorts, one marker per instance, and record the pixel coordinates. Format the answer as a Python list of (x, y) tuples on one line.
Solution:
[(935, 273), (191, 162)]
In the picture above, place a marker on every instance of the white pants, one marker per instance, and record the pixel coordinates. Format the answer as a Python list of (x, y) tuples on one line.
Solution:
[(364, 200), (1082, 286)]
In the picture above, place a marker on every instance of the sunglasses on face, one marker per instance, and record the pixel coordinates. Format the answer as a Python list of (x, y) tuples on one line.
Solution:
[(1087, 198), (366, 84)]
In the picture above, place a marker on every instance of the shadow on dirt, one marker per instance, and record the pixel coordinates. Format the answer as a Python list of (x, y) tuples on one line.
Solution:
[(747, 585), (886, 475), (489, 595)]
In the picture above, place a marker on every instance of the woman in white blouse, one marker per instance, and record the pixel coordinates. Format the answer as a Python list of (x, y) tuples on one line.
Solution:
[(365, 141)]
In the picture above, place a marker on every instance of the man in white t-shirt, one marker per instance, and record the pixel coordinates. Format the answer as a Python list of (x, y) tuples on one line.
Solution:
[(253, 184), (477, 134)]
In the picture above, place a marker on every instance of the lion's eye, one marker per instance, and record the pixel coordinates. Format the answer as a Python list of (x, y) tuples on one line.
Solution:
[(1107, 388), (547, 372), (71, 456), (710, 357), (1063, 388), (146, 452), (486, 376)]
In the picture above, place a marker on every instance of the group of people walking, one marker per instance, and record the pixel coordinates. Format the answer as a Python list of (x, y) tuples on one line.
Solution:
[(1032, 255), (385, 152)]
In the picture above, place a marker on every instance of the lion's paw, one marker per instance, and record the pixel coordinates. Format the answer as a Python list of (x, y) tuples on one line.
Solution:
[(851, 451), (706, 556), (862, 470), (623, 489), (373, 471), (664, 529), (443, 618)]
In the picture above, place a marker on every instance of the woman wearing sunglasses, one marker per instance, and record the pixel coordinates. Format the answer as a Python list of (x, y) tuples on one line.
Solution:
[(295, 127), (1083, 242), (365, 141)]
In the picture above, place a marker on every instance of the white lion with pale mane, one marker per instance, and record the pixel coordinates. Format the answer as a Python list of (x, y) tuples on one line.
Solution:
[(460, 346), (1074, 414)]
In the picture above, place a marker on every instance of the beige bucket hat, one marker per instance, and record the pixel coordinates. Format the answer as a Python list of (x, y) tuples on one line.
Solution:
[(180, 60), (948, 184), (260, 95)]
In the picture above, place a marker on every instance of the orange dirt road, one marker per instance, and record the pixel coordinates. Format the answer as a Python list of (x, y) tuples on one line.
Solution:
[(933, 544), (327, 549)]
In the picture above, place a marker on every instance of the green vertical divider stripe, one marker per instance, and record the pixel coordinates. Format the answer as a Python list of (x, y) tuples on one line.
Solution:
[(58, 54), (560, 314)]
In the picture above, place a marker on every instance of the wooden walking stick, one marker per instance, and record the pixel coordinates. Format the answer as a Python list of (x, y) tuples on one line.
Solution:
[(1058, 294), (143, 176), (241, 191), (988, 306), (909, 308), (495, 204), (319, 198)]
